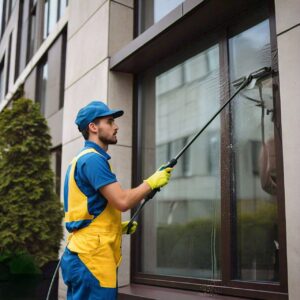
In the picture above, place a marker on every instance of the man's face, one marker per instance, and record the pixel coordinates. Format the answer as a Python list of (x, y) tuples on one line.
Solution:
[(107, 130)]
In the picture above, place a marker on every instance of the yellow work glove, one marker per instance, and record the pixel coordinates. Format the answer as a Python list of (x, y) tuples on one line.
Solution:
[(160, 178), (132, 228)]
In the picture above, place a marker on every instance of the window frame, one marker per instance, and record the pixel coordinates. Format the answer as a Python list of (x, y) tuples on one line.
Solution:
[(226, 285)]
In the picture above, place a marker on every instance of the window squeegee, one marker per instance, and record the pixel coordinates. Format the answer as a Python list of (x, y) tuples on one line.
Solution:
[(240, 84)]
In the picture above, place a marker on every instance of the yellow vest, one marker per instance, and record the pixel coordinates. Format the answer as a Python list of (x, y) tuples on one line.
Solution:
[(99, 244)]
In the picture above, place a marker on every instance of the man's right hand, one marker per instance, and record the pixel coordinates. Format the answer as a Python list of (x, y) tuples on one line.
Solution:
[(160, 178)]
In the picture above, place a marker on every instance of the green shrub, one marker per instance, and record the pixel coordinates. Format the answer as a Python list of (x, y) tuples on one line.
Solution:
[(30, 211), (192, 245)]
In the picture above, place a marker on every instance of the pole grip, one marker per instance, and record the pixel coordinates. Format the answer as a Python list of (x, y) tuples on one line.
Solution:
[(169, 164)]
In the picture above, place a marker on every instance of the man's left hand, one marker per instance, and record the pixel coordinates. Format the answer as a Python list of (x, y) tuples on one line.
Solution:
[(132, 228)]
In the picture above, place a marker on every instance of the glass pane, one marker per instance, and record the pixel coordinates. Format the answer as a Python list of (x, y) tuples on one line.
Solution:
[(63, 5), (32, 32), (46, 19), (181, 226), (154, 10), (52, 14), (254, 159), (1, 16)]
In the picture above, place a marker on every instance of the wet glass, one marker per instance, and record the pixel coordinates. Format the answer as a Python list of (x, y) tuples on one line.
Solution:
[(181, 226), (254, 161), (154, 10)]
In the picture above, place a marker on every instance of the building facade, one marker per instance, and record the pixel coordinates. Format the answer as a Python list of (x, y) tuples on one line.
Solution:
[(227, 224)]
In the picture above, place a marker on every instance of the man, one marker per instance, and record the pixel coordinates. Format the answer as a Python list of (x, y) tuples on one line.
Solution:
[(93, 202)]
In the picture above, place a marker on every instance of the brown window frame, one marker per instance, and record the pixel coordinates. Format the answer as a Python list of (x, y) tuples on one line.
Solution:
[(226, 285)]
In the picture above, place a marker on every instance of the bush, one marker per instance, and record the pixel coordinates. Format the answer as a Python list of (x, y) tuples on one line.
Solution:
[(192, 245), (30, 211)]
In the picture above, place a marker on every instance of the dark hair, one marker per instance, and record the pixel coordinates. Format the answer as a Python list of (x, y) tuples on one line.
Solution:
[(85, 132)]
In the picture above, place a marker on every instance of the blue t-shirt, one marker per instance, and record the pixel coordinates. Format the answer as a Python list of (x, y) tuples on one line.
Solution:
[(91, 173)]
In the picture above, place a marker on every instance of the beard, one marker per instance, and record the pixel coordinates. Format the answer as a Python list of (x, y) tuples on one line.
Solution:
[(108, 140)]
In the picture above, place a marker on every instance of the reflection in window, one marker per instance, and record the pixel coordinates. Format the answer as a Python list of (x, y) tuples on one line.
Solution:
[(62, 7), (186, 215), (52, 15), (154, 10), (53, 11), (42, 80), (46, 19), (254, 157)]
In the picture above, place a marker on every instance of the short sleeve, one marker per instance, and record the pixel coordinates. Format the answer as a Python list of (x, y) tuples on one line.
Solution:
[(96, 171)]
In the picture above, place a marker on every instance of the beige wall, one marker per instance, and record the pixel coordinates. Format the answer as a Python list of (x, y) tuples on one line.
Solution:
[(96, 30), (287, 16)]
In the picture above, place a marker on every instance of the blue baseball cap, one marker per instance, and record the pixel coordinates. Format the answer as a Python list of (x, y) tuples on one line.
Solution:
[(93, 110)]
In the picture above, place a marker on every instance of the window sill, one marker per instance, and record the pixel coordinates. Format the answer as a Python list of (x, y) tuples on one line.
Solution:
[(146, 292)]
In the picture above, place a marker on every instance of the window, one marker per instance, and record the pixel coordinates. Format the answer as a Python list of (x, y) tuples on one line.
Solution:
[(53, 11), (185, 96), (62, 7), (2, 80), (19, 45), (63, 69), (217, 222), (31, 30), (8, 64), (154, 10), (2, 16), (255, 200), (42, 84)]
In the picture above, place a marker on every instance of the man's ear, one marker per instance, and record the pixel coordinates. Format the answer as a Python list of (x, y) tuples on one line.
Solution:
[(92, 127)]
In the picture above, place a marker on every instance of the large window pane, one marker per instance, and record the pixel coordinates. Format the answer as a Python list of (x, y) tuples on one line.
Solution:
[(181, 226), (254, 159)]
